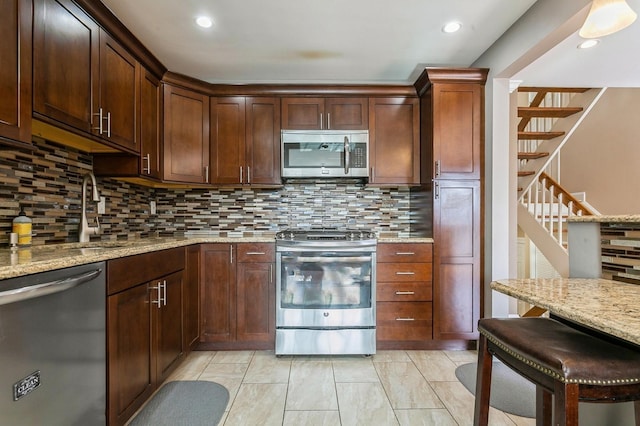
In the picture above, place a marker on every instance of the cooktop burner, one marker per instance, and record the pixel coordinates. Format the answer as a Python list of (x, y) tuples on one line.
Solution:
[(324, 234)]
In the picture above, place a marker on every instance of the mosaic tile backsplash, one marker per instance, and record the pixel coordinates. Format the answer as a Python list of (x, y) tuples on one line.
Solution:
[(48, 182)]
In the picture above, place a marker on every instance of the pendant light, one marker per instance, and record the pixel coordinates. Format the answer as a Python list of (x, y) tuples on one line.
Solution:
[(606, 17)]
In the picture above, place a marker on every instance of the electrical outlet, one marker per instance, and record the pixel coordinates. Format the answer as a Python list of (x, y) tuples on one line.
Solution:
[(102, 204), (152, 207)]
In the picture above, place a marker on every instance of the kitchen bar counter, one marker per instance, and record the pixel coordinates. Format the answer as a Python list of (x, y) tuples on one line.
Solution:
[(629, 218), (607, 306), (32, 260)]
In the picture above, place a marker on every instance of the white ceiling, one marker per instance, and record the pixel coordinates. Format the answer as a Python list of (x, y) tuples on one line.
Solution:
[(304, 41)]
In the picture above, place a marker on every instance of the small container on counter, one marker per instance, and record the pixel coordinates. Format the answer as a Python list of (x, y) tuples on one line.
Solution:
[(22, 226)]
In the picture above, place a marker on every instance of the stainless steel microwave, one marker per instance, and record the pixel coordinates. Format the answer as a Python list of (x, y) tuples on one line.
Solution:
[(325, 153)]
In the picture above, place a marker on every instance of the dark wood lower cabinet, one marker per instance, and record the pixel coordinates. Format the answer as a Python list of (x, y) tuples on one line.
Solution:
[(144, 327), (237, 296)]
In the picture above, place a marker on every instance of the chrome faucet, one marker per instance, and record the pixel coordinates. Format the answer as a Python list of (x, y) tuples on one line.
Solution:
[(86, 230)]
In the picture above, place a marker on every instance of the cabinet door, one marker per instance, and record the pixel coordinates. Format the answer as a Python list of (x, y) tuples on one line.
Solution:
[(394, 136), (457, 259), (256, 303), (347, 113), (228, 164), (303, 113), (191, 300), (149, 126), (169, 341), (65, 63), (186, 135), (119, 75), (129, 340), (217, 293), (15, 72), (457, 131), (263, 141)]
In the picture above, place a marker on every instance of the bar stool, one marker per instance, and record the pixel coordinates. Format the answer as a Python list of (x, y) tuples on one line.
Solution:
[(562, 362)]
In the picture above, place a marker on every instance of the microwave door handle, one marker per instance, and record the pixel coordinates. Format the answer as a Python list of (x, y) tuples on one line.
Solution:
[(347, 148)]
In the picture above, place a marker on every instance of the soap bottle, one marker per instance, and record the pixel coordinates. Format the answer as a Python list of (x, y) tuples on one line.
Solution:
[(22, 226)]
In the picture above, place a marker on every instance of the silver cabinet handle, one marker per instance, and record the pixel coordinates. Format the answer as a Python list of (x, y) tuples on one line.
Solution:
[(328, 120), (146, 169), (248, 174), (231, 254), (206, 174), (271, 273), (347, 152), (240, 174), (99, 128), (405, 293), (108, 124), (405, 319), (405, 273), (158, 289), (320, 120), (256, 253), (31, 292), (372, 177), (437, 168), (436, 192), (405, 253), (164, 292)]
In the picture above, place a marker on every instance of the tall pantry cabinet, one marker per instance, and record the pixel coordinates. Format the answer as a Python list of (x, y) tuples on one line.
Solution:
[(452, 140)]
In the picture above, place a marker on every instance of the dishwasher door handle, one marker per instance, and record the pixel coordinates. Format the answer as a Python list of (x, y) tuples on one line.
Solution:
[(31, 292)]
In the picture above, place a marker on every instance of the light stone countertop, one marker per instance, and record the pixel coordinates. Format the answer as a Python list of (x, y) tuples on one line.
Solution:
[(631, 218), (32, 260), (611, 307)]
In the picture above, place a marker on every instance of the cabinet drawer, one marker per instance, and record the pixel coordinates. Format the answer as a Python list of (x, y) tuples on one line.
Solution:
[(256, 252), (403, 272), (404, 321), (404, 292), (129, 271), (405, 252)]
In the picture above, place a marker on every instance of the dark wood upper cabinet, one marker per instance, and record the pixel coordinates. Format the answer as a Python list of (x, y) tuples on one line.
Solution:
[(245, 141), (394, 141), (65, 64), (186, 135), (119, 92), (149, 125), (15, 72), (325, 113)]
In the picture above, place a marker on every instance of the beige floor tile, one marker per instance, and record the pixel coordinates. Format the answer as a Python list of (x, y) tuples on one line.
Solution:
[(434, 365), (229, 357), (355, 371), (311, 418), (462, 356), (311, 386), (391, 356), (192, 367), (405, 386), (459, 401), (225, 370), (258, 404), (425, 417), (266, 368), (364, 404)]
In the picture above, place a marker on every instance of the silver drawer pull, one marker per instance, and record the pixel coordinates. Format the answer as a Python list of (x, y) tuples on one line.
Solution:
[(405, 273), (405, 319), (405, 253), (256, 253), (401, 293)]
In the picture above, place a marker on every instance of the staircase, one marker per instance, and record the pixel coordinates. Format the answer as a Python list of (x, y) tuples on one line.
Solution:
[(548, 118)]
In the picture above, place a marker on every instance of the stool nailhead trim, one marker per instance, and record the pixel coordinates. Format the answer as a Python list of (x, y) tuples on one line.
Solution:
[(553, 373)]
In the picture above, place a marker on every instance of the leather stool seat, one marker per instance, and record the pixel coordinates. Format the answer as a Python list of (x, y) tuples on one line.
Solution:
[(560, 360)]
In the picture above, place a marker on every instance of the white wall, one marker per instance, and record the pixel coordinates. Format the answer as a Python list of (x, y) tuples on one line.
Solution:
[(602, 157)]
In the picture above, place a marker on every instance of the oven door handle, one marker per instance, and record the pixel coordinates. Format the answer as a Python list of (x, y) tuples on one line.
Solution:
[(334, 259), (347, 151), (31, 292)]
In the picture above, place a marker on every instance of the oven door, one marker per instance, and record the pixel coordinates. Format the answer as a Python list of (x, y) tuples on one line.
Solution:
[(325, 289)]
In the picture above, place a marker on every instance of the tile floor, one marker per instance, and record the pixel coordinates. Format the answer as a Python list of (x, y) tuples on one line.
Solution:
[(389, 388)]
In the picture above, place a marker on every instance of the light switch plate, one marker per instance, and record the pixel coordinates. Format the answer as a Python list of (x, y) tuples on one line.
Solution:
[(102, 205), (152, 207)]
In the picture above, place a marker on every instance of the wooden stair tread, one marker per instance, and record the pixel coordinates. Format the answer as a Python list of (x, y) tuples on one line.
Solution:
[(532, 155), (526, 173), (553, 89), (539, 135), (548, 112)]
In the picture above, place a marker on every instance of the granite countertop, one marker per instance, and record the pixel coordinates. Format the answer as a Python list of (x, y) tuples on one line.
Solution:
[(608, 306), (606, 218), (32, 260)]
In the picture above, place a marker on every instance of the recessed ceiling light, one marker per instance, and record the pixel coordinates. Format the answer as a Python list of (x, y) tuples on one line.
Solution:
[(204, 21), (452, 27), (588, 43)]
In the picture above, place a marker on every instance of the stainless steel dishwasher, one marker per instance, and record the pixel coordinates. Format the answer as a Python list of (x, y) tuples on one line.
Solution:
[(52, 348)]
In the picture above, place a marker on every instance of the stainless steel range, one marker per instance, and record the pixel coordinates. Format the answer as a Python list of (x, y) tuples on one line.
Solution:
[(326, 292)]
